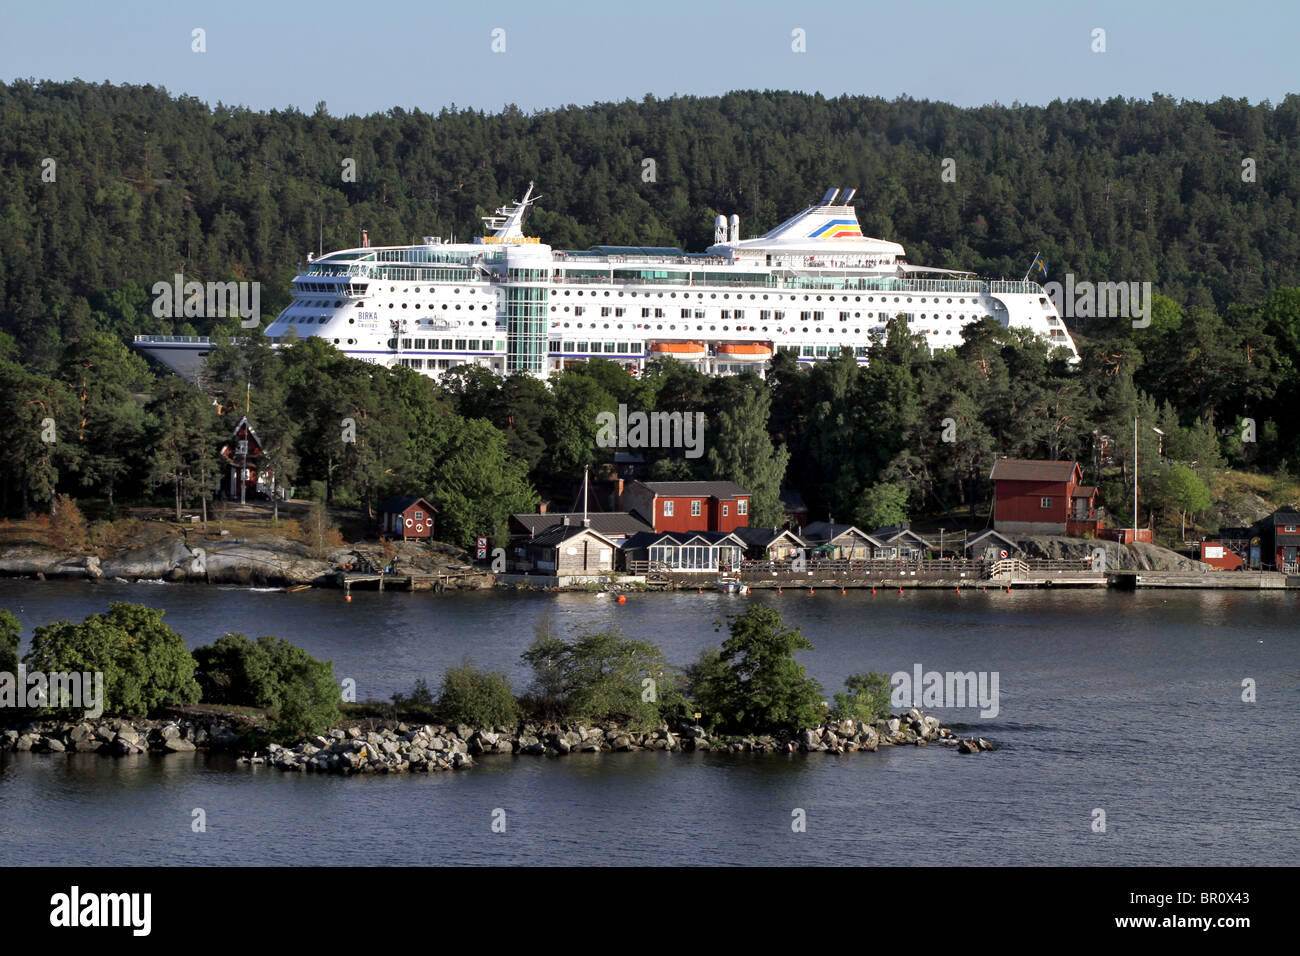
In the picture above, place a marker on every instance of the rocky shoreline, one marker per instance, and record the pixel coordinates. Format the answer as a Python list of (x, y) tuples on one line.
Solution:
[(399, 747), (265, 561)]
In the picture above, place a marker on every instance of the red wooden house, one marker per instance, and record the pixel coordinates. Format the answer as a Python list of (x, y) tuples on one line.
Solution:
[(406, 518), (246, 472), (1041, 497), (688, 505)]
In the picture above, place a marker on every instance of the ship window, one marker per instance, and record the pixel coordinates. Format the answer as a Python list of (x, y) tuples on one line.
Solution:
[(460, 345), (446, 344), (419, 343)]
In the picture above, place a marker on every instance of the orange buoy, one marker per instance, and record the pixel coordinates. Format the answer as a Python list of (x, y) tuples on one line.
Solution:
[(959, 590), (699, 590), (873, 590), (1008, 590), (779, 591), (622, 599), (900, 590), (810, 591), (842, 591), (347, 597)]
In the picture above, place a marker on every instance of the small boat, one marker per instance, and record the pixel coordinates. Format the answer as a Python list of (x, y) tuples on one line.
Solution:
[(297, 587), (730, 586)]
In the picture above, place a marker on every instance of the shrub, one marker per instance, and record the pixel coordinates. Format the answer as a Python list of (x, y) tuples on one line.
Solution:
[(320, 534), (477, 698), (298, 690), (68, 528), (754, 684), (602, 675), (866, 698), (145, 663), (10, 633)]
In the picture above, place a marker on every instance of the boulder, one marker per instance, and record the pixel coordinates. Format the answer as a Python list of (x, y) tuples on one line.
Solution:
[(177, 745)]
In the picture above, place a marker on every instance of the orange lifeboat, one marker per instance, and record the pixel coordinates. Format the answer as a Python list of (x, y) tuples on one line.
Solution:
[(750, 352), (680, 350)]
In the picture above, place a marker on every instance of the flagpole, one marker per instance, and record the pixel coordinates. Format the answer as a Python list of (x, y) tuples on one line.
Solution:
[(1031, 266)]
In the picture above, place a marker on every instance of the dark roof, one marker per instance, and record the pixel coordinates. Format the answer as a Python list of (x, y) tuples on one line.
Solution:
[(560, 533), (1020, 469), (892, 533), (647, 538), (700, 489), (762, 537), (604, 522), (988, 534), (1286, 515), (398, 504), (1083, 491), (819, 531)]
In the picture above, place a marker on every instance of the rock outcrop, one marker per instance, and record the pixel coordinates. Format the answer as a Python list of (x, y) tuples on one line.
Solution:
[(429, 748)]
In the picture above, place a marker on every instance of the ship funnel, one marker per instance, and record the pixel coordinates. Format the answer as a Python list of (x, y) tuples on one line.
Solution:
[(829, 198), (735, 228), (847, 196), (720, 229)]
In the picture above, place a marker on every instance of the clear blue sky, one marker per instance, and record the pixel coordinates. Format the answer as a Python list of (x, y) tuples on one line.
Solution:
[(368, 57)]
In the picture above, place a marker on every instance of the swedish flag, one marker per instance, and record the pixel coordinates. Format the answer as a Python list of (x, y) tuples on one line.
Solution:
[(1039, 266)]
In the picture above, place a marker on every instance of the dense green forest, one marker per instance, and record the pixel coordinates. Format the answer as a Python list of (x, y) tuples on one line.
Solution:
[(109, 189)]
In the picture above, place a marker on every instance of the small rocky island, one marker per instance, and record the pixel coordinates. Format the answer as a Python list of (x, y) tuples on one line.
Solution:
[(373, 746)]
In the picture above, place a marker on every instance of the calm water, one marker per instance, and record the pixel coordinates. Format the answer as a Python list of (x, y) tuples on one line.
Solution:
[(1126, 702)]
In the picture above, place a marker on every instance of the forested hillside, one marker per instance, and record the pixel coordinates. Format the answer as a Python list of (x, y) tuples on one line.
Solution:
[(148, 185), (106, 190)]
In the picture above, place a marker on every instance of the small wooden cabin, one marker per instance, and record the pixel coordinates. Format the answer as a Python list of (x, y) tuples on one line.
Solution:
[(408, 519)]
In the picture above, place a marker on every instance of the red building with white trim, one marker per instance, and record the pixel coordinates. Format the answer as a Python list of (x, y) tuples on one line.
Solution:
[(406, 518), (688, 505), (1039, 497)]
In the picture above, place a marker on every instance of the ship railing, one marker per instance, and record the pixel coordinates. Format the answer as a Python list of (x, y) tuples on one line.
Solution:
[(175, 339)]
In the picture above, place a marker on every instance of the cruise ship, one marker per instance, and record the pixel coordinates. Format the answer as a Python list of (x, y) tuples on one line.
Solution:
[(814, 286)]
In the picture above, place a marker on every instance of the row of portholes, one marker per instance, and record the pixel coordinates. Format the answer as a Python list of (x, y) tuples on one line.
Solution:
[(856, 315), (416, 290), (443, 306), (754, 296)]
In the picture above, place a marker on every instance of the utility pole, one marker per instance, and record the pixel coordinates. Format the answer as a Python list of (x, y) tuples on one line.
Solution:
[(1135, 479)]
